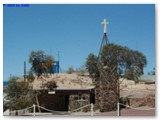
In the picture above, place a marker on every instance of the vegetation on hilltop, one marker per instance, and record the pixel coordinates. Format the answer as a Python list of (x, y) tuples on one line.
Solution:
[(129, 63)]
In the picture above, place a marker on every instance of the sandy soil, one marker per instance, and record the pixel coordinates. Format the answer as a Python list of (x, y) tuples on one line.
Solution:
[(138, 90)]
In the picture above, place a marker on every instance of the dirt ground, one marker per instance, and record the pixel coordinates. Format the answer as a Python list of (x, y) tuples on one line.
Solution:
[(138, 91), (128, 112)]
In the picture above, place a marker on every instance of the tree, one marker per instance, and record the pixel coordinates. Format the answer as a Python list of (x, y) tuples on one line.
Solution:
[(36, 59), (128, 62), (20, 95), (91, 65), (17, 94), (70, 70), (49, 63), (41, 63)]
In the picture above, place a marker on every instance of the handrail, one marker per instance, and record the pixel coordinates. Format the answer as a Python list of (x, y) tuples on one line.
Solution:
[(50, 110), (136, 108), (53, 111), (80, 108)]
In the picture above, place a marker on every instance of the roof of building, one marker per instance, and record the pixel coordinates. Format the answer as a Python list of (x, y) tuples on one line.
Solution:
[(65, 82), (147, 78)]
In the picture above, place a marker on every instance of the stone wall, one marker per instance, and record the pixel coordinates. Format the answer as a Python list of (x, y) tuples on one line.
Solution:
[(106, 92), (74, 102)]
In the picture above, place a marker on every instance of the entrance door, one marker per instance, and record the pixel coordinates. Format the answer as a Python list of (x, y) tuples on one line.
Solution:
[(66, 102)]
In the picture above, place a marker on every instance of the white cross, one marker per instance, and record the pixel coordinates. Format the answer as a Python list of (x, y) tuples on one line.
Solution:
[(104, 22)]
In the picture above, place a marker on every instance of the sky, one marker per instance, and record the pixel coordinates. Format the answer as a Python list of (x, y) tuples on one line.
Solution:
[(74, 31)]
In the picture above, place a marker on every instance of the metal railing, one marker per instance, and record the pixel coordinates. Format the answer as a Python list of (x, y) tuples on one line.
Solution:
[(118, 108), (33, 107), (91, 108)]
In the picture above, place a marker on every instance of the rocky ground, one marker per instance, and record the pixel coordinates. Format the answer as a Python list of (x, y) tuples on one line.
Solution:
[(143, 93)]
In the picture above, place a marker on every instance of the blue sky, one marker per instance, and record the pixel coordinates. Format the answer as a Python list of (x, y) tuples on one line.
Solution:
[(75, 31)]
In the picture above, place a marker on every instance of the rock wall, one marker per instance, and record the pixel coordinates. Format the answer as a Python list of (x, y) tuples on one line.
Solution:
[(106, 92), (77, 101)]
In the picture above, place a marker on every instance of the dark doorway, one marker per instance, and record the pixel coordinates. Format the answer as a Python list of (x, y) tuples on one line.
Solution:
[(66, 102), (92, 97)]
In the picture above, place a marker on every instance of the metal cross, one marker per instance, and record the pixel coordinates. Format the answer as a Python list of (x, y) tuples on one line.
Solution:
[(104, 22)]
